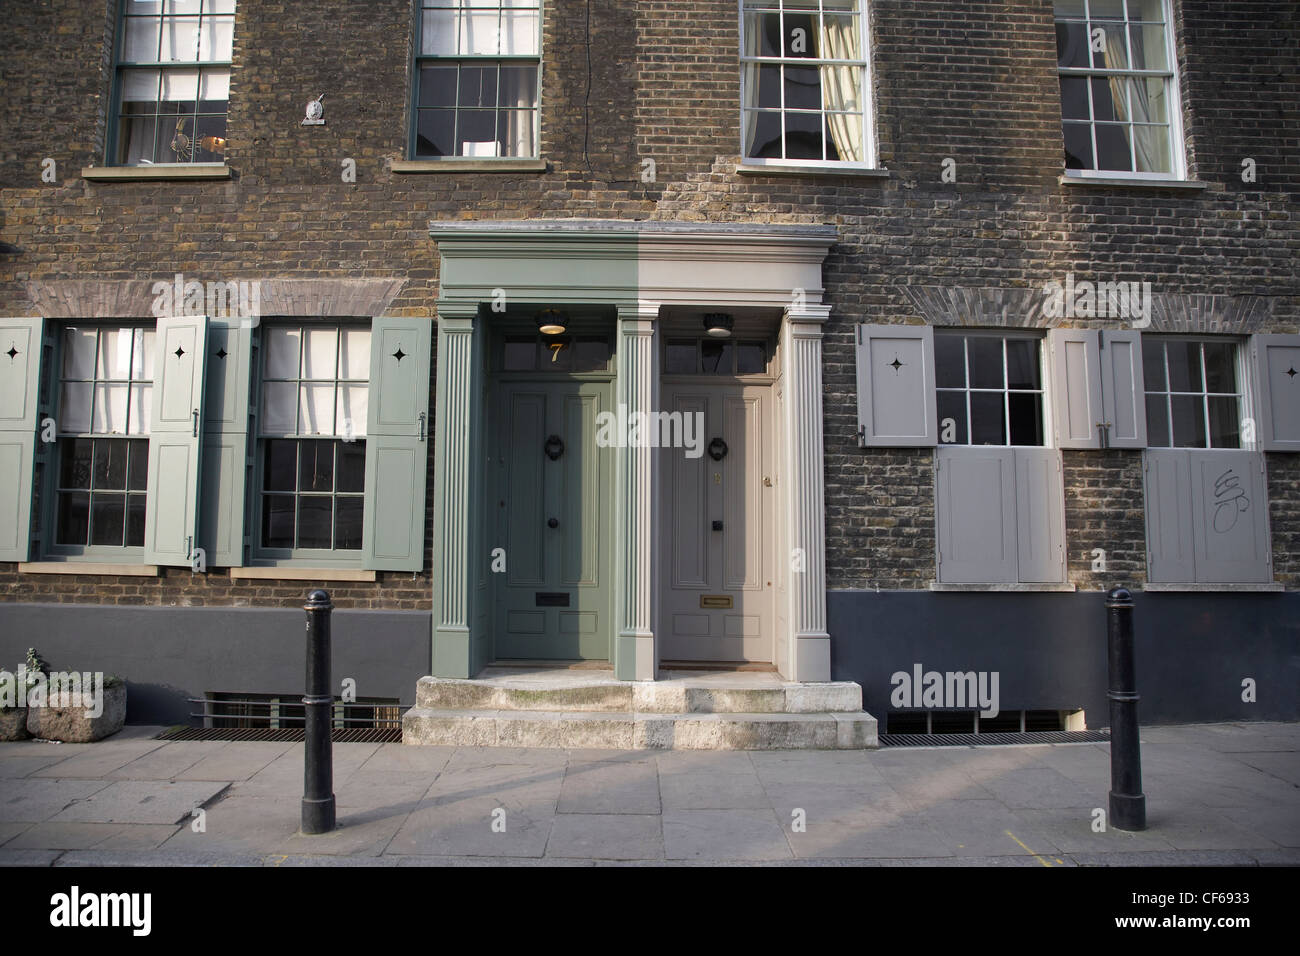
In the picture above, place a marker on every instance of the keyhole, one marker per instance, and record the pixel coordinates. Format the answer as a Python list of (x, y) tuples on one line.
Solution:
[(717, 477)]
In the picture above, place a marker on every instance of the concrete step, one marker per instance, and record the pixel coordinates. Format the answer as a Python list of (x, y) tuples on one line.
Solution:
[(569, 691), (629, 730)]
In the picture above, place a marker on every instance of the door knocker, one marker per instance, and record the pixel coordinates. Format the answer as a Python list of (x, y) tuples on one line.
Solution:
[(554, 447), (717, 449)]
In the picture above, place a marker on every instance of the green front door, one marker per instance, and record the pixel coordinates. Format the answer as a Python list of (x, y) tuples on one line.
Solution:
[(552, 494)]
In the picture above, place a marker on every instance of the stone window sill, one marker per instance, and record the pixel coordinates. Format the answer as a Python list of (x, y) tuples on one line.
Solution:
[(938, 586), (182, 171), (750, 170), (1271, 587), (469, 166), (1131, 182), (88, 567), (292, 573)]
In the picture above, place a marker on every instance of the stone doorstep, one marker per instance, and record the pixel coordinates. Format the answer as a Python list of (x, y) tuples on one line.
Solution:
[(638, 730), (738, 694)]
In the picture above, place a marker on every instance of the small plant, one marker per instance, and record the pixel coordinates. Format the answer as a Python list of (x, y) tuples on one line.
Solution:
[(36, 664)]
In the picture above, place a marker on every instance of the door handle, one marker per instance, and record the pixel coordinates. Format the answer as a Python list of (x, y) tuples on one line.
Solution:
[(196, 423), (553, 523)]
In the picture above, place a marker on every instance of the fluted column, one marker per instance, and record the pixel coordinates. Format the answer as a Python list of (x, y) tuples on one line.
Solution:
[(810, 644), (634, 646), (452, 535)]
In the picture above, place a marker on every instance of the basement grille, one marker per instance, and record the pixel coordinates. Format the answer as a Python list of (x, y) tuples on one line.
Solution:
[(994, 740)]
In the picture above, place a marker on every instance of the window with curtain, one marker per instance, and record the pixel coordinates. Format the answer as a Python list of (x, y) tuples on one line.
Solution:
[(173, 81), (104, 400), (476, 79), (1119, 91), (315, 391), (804, 82)]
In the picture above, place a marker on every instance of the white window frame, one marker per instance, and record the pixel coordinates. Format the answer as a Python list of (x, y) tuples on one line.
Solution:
[(1245, 389), (1043, 391), (865, 93), (1177, 141)]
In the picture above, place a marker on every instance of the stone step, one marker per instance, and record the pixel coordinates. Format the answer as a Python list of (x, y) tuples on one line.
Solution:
[(625, 730), (687, 695)]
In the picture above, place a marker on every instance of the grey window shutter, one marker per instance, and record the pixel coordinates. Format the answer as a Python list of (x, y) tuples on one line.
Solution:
[(1168, 494), (172, 511), (1076, 387), (20, 364), (225, 442), (975, 508), (1230, 517), (1040, 516), (896, 396), (397, 447), (1123, 392), (1277, 372)]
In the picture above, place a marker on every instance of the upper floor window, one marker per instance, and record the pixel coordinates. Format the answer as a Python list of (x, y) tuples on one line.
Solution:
[(1193, 393), (989, 389), (173, 81), (804, 82), (477, 67), (1119, 89)]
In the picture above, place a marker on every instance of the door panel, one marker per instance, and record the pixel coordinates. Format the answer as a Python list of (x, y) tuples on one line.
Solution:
[(553, 601), (707, 566)]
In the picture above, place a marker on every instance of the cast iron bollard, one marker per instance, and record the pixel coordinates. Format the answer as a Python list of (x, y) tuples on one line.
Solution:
[(1128, 806), (318, 769)]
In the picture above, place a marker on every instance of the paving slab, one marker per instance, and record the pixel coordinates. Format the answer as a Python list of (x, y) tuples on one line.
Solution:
[(750, 834), (101, 760), (610, 786), (384, 789), (472, 826), (867, 833), (840, 768), (711, 761), (139, 801), (31, 800), (1041, 788), (709, 790), (28, 857), (10, 830), (168, 761), (984, 828), (1071, 831), (85, 836), (1282, 765), (237, 760), (18, 766), (827, 802), (606, 836), (400, 757)]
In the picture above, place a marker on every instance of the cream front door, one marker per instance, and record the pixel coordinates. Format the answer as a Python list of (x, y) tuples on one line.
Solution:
[(717, 527)]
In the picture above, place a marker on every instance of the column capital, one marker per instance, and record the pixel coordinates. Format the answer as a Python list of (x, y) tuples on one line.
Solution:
[(808, 315), (456, 315), (638, 317)]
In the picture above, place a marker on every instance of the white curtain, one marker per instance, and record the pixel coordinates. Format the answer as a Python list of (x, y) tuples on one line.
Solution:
[(753, 27), (842, 85), (1144, 139)]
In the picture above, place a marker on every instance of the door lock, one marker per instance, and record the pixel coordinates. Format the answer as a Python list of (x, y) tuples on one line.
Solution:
[(553, 523), (717, 526)]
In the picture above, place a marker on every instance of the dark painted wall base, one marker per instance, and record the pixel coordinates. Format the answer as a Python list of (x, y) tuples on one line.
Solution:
[(167, 654), (1193, 649)]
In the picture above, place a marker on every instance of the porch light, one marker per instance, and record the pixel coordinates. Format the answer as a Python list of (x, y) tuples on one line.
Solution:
[(718, 325), (552, 322)]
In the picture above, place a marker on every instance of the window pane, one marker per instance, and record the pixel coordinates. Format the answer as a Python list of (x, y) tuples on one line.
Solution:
[(279, 408), (108, 417), (769, 86), (519, 32), (950, 361), (1147, 99), (988, 419), (277, 521), (476, 133), (436, 133), (107, 519), (74, 407), (1072, 44), (1026, 419), (137, 474), (716, 358), (79, 353), (1022, 364), (1074, 97), (438, 86), (140, 40), (315, 518), (1153, 365), (765, 141), (762, 34), (180, 40), (518, 354), (750, 358), (316, 466), (1078, 146), (316, 410), (280, 465), (1153, 155), (1149, 49), (74, 462), (281, 346), (1114, 54), (1220, 367), (952, 417), (1224, 423), (1103, 100), (800, 37), (142, 355), (73, 518), (516, 132), (140, 410), (803, 88), (478, 86), (1157, 421), (680, 358), (348, 513), (984, 355), (351, 466), (352, 410), (1113, 150), (518, 86), (1184, 366), (590, 355), (438, 32), (1189, 421), (803, 136), (114, 353), (110, 465), (1106, 9), (320, 353), (217, 38), (135, 521)]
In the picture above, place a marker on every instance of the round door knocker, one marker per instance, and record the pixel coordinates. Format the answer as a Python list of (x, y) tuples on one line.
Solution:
[(717, 449), (554, 447)]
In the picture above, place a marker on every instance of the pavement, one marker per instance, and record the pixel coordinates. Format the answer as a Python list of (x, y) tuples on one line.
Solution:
[(1217, 794)]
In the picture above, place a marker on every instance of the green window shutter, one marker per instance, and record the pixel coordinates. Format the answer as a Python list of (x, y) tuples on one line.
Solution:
[(1277, 375), (397, 447), (1040, 516), (20, 360), (1122, 389), (1167, 485), (975, 510), (171, 516), (1230, 517), (1076, 387), (225, 442), (896, 397)]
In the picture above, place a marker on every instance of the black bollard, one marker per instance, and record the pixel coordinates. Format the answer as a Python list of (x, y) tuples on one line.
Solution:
[(1128, 806), (318, 768)]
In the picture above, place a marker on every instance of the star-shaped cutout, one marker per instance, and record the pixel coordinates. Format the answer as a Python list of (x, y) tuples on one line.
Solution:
[(222, 353), (12, 353), (896, 364), (399, 354), (1291, 371), (179, 352)]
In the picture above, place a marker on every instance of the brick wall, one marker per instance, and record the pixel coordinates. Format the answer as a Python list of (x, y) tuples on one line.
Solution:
[(974, 81)]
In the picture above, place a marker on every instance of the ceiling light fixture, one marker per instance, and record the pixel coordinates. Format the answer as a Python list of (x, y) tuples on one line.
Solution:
[(552, 322), (718, 325)]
